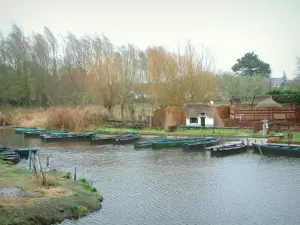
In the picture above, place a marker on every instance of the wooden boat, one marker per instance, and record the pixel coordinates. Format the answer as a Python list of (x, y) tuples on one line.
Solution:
[(228, 149), (148, 142), (38, 133), (126, 139), (21, 130), (200, 145), (23, 152), (71, 136), (178, 142), (277, 149), (11, 156)]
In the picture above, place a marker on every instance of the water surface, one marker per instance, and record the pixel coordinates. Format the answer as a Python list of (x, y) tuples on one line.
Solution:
[(171, 186)]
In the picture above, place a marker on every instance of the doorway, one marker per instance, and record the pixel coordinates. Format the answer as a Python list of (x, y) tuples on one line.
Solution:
[(202, 119)]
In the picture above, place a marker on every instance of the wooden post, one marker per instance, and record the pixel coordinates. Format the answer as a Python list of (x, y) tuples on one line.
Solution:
[(48, 161), (75, 174), (29, 160), (261, 154), (34, 163), (40, 168)]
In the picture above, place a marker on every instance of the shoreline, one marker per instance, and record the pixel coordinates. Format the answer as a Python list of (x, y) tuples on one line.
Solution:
[(25, 200)]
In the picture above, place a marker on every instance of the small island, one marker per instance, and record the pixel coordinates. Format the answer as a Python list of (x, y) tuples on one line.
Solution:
[(27, 199)]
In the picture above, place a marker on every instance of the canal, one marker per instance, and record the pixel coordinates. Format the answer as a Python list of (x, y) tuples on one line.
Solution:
[(171, 186)]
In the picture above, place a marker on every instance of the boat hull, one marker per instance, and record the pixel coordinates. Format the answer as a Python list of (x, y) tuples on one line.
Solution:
[(23, 130), (11, 156), (179, 142), (277, 150), (148, 142), (103, 141), (127, 139), (23, 153), (228, 150), (201, 145), (37, 134), (72, 136)]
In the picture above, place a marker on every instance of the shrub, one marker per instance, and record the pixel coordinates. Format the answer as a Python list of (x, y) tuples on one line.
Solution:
[(50, 181), (78, 210), (67, 176), (87, 186), (94, 189), (83, 180)]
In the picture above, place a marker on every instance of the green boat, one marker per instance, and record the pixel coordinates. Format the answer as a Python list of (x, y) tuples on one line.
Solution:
[(178, 142), (200, 145), (147, 142), (21, 130)]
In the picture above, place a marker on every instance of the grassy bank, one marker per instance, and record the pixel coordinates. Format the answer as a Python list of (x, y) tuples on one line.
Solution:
[(181, 132), (25, 201), (295, 140)]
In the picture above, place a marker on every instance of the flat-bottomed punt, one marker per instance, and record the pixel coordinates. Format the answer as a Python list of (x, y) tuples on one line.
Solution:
[(228, 149), (277, 149), (10, 156), (127, 139), (72, 136), (23, 152), (200, 145), (103, 140), (147, 142), (178, 142), (21, 130), (38, 133)]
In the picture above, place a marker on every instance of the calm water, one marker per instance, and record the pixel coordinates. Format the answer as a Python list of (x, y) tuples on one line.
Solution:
[(174, 187)]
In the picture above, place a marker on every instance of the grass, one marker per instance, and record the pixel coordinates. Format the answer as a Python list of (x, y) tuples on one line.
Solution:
[(295, 140), (187, 132), (58, 118), (40, 204)]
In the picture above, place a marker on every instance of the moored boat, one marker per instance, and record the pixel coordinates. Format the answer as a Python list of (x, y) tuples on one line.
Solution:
[(178, 142), (23, 152), (200, 145), (228, 149), (71, 136), (147, 142), (38, 133), (126, 139), (277, 149), (21, 130), (10, 156), (103, 140)]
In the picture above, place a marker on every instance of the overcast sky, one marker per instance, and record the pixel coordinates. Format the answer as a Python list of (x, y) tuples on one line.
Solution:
[(230, 28)]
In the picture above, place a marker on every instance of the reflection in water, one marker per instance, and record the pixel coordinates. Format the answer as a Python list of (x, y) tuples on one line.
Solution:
[(172, 186)]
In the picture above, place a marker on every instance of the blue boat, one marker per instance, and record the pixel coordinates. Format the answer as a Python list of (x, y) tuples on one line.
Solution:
[(201, 144), (277, 149)]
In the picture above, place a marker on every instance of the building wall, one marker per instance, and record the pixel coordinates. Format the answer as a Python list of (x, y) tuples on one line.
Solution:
[(209, 122)]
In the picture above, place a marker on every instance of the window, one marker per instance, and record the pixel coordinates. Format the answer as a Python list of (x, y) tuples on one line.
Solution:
[(193, 120)]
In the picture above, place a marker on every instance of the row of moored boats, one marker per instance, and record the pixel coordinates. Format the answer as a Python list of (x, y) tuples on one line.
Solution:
[(187, 143)]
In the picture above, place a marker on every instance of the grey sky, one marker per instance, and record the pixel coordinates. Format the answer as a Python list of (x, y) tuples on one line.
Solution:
[(229, 28)]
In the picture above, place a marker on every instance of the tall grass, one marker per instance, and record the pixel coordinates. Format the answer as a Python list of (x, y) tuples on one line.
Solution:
[(76, 118)]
